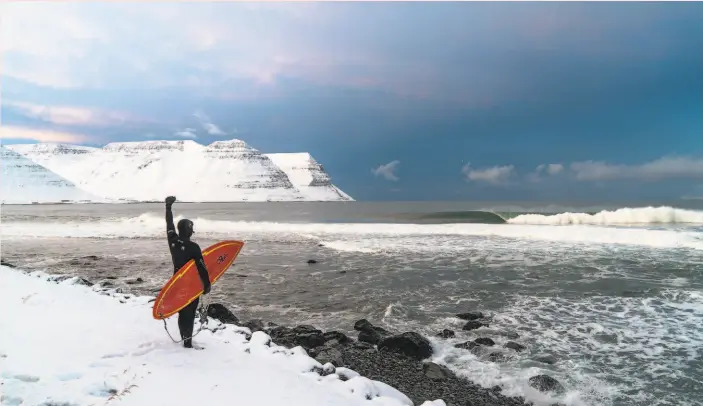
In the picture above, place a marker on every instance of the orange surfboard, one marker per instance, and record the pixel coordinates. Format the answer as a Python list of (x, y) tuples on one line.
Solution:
[(185, 285)]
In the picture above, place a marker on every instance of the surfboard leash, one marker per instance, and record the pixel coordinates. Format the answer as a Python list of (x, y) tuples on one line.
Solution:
[(202, 309)]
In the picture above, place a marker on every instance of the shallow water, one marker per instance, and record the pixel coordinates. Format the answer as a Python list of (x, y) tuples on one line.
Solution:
[(619, 306)]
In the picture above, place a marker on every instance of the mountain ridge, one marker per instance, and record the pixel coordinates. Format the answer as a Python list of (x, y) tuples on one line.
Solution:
[(222, 171)]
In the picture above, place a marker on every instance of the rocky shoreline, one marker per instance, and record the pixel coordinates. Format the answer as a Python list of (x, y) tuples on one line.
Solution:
[(399, 359)]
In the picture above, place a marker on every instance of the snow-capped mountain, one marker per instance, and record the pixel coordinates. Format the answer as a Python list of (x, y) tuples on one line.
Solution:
[(25, 182), (308, 176), (150, 170)]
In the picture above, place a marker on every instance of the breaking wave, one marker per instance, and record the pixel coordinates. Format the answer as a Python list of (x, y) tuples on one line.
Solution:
[(371, 236), (623, 216)]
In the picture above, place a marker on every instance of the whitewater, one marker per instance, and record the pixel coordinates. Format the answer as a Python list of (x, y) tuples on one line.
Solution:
[(611, 296)]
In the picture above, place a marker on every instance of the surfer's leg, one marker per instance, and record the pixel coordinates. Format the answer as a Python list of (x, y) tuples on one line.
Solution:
[(186, 321)]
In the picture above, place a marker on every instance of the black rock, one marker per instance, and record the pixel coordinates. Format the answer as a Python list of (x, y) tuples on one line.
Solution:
[(446, 333), (114, 277), (305, 328), (435, 372), (370, 336), (331, 355), (546, 359), (84, 282), (470, 316), (91, 257), (312, 261), (239, 275), (411, 344), (7, 264), (546, 383), (279, 332), (514, 346), (370, 333), (254, 325), (305, 336), (362, 324), (485, 341), (469, 345), (342, 271), (336, 337), (473, 325), (496, 357), (219, 312), (310, 339)]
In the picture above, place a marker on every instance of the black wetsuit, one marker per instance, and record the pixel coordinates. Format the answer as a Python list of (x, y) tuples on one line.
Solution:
[(183, 250)]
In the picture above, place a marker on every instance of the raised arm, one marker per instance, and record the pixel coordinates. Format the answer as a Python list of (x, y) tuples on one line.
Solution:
[(170, 228), (202, 269)]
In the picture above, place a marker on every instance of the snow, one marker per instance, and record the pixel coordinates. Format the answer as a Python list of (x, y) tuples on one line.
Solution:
[(64, 343), (308, 176), (223, 171), (25, 182)]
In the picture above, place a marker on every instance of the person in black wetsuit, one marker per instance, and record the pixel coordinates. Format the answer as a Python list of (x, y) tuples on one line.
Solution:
[(183, 250)]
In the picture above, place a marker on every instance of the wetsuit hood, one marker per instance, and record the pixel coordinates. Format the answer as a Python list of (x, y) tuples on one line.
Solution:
[(185, 228)]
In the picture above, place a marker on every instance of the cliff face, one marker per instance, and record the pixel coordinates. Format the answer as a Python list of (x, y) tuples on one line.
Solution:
[(308, 175), (150, 170), (25, 182)]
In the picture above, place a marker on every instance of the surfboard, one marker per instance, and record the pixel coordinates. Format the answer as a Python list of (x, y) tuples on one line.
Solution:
[(185, 285)]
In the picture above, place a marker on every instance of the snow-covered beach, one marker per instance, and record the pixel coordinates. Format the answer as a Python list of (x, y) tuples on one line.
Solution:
[(64, 343)]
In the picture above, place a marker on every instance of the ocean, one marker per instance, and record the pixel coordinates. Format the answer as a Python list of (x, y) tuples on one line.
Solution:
[(615, 297)]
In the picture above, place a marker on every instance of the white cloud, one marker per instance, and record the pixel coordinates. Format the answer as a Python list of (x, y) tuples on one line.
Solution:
[(207, 124), (387, 170), (186, 133), (548, 169), (80, 44), (669, 167), (495, 175), (69, 115), (554, 169), (15, 132)]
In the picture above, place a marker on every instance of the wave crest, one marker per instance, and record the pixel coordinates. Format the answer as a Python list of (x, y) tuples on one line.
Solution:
[(624, 216)]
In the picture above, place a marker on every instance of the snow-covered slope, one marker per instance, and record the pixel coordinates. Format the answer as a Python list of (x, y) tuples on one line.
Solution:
[(65, 344), (308, 176), (150, 170), (25, 182)]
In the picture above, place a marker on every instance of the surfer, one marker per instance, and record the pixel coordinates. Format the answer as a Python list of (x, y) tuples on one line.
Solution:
[(183, 250)]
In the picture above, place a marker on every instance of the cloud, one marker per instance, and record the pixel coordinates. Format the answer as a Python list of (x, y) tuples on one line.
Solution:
[(551, 169), (207, 124), (137, 45), (545, 170), (668, 167), (495, 175), (70, 116), (186, 133), (387, 170), (24, 133)]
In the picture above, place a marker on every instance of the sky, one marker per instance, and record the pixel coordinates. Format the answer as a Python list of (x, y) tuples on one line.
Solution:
[(398, 101)]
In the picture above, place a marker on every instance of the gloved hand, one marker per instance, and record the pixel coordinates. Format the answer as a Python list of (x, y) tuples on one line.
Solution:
[(206, 288), (170, 200)]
